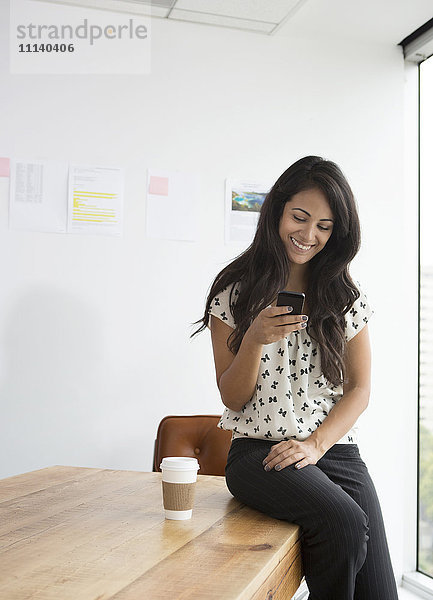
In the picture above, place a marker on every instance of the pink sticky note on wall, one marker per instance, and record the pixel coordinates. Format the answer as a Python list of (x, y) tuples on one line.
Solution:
[(158, 185), (4, 167)]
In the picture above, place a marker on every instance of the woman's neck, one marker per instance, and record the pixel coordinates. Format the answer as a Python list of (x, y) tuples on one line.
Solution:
[(298, 279)]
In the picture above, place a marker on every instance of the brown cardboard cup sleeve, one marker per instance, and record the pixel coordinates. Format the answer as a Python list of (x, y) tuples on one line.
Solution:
[(178, 496)]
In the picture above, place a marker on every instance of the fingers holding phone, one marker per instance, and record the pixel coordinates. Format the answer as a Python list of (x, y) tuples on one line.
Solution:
[(277, 322)]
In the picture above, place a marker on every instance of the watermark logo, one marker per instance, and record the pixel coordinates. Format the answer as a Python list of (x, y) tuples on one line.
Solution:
[(85, 31), (61, 39)]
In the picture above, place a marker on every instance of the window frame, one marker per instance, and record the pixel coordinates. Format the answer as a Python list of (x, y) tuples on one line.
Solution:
[(417, 47)]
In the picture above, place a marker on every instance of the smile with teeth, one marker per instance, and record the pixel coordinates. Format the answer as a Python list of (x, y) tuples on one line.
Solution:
[(298, 245)]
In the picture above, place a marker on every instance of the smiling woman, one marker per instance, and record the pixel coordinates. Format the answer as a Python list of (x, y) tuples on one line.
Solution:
[(274, 261), (294, 385)]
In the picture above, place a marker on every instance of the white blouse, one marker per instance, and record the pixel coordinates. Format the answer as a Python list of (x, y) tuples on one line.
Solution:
[(292, 397)]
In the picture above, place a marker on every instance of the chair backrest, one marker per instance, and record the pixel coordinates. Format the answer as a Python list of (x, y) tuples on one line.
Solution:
[(194, 435)]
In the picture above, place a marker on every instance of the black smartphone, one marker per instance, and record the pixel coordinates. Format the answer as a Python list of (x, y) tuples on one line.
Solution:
[(295, 299)]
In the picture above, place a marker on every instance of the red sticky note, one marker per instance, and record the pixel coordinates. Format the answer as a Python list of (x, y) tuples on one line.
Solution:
[(158, 185), (4, 167)]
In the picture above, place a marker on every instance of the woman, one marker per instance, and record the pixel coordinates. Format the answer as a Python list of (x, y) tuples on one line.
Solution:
[(294, 385)]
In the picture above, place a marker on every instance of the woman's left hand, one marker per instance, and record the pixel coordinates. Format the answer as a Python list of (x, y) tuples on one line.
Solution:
[(290, 452)]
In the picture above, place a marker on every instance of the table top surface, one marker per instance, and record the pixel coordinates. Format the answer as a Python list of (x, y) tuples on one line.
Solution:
[(73, 533)]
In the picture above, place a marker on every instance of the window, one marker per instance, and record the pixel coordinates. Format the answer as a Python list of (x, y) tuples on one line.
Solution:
[(425, 469), (418, 53)]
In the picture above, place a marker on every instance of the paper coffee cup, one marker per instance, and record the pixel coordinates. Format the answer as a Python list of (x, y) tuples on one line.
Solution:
[(179, 476)]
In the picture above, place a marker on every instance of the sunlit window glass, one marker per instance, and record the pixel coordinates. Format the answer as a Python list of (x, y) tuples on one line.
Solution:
[(425, 491)]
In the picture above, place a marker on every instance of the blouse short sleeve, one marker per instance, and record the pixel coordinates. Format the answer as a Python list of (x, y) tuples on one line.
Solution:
[(220, 305), (358, 315)]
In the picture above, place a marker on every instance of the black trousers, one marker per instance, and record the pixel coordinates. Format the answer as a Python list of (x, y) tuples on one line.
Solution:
[(344, 548)]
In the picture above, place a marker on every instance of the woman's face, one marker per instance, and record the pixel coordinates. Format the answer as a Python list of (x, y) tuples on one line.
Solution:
[(306, 225)]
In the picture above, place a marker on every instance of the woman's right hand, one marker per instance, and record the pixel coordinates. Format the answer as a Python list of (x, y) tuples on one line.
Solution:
[(275, 323)]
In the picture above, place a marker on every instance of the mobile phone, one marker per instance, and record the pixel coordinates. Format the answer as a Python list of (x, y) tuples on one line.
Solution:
[(295, 299)]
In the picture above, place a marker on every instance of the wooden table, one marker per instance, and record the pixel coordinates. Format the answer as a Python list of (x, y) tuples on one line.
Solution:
[(69, 533)]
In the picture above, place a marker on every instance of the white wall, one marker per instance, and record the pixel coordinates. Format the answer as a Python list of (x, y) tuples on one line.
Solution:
[(94, 346)]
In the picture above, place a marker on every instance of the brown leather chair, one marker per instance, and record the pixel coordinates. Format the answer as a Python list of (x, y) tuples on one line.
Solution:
[(196, 436)]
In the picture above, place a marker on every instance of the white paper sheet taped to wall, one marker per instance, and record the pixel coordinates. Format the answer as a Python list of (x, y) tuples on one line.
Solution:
[(172, 206), (244, 201), (38, 195), (95, 200)]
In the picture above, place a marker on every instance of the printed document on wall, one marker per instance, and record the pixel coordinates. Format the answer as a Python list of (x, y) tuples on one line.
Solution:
[(244, 201), (95, 200), (37, 195), (172, 206)]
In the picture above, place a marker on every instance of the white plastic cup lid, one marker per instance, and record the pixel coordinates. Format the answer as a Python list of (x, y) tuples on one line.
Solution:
[(179, 463)]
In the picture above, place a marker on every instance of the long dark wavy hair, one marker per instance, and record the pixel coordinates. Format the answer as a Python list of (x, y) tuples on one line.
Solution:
[(264, 268)]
